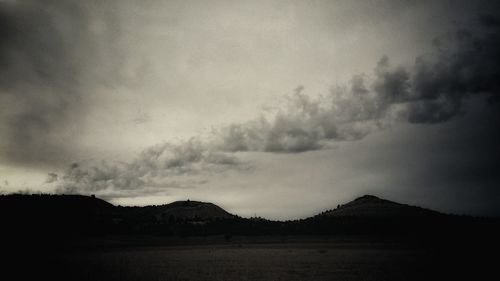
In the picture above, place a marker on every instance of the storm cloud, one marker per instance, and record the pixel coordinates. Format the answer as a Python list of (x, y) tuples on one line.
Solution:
[(433, 90)]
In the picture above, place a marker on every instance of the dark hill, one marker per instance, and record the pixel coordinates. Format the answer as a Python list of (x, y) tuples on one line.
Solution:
[(47, 203), (370, 215), (193, 211), (58, 215), (372, 206)]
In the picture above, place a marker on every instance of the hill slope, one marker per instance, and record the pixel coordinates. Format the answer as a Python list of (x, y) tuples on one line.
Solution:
[(371, 206), (179, 210), (57, 215)]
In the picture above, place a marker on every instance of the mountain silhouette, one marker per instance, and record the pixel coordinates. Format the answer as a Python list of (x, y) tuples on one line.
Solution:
[(72, 217), (175, 211), (372, 206)]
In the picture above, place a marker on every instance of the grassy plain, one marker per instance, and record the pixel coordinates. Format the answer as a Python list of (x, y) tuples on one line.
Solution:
[(243, 259)]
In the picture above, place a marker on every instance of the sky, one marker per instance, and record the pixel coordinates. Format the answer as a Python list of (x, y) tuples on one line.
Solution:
[(279, 109)]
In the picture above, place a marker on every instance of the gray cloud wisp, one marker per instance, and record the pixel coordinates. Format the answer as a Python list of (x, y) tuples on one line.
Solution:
[(156, 168)]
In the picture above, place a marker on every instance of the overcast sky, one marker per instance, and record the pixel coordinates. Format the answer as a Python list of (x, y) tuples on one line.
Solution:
[(279, 109)]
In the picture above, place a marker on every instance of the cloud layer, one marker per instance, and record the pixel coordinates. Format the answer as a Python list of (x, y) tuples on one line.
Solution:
[(433, 90), (55, 56)]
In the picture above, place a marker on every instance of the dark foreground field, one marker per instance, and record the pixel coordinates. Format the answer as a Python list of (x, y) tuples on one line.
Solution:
[(84, 238), (264, 258)]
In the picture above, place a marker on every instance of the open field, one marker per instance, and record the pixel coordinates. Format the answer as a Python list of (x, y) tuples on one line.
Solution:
[(306, 260)]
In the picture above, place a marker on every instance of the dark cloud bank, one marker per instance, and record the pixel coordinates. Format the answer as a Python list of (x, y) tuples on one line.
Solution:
[(434, 90), (46, 73)]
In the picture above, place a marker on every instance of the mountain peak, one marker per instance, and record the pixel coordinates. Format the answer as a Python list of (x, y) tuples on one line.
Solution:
[(188, 209), (367, 197), (187, 203), (373, 206)]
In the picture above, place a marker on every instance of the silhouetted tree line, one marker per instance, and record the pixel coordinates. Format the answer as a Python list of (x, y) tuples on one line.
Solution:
[(73, 216)]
